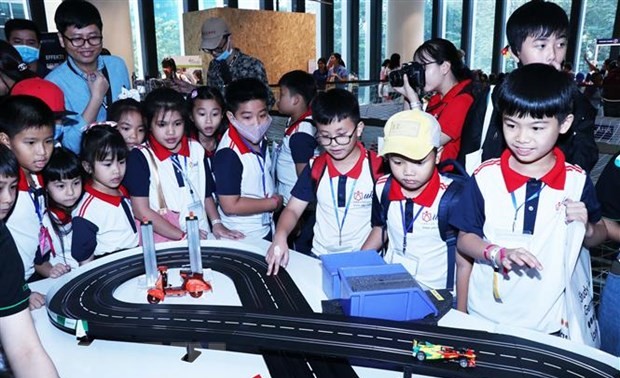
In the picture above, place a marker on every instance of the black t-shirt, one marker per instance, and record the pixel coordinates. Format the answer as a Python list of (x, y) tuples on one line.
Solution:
[(14, 291), (607, 188)]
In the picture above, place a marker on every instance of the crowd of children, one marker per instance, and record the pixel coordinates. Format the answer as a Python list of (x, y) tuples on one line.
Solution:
[(207, 155)]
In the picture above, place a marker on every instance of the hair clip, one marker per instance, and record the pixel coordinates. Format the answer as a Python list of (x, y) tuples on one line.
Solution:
[(103, 123), (22, 67), (193, 94)]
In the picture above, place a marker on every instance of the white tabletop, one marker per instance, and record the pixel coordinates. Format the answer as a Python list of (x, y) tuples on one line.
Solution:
[(123, 359)]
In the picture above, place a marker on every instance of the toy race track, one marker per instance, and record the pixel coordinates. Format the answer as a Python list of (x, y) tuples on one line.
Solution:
[(277, 322)]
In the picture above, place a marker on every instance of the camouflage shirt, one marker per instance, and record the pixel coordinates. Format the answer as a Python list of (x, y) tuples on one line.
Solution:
[(220, 74)]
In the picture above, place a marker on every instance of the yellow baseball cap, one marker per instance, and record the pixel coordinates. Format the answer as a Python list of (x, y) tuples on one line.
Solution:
[(412, 134)]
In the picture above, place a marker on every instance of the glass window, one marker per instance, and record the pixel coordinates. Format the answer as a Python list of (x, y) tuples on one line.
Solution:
[(315, 8), (208, 4), (428, 19), (364, 42), (598, 21), (481, 53), (249, 4), (338, 14), (384, 28), (136, 39), (168, 34), (13, 9), (453, 19), (284, 5)]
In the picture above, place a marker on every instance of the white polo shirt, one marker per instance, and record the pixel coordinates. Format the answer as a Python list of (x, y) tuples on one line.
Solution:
[(23, 222), (424, 254), (183, 183), (241, 171), (344, 202), (529, 298), (102, 224), (60, 239), (297, 147)]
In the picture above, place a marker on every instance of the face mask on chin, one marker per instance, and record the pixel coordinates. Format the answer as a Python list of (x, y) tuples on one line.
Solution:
[(254, 133), (29, 54), (225, 54)]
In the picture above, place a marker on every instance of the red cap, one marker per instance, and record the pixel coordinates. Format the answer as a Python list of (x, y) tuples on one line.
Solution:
[(47, 91)]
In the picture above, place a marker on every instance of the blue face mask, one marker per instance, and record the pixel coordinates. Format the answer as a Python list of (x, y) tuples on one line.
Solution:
[(223, 56), (29, 54)]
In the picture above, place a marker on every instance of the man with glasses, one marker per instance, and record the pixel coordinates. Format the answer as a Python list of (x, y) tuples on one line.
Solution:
[(90, 81), (228, 62)]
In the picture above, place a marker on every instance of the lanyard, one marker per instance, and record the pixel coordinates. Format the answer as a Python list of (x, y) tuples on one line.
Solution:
[(259, 155), (37, 205), (517, 208), (406, 226), (346, 208), (177, 164)]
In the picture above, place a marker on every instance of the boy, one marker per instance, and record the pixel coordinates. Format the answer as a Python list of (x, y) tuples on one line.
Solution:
[(25, 36), (242, 166), (342, 188), (18, 336), (537, 32), (515, 209), (412, 147), (27, 128), (297, 89), (91, 82)]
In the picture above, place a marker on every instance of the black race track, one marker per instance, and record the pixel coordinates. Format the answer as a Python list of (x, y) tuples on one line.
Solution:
[(277, 322)]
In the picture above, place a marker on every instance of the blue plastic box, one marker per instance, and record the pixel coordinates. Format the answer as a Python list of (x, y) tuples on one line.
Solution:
[(332, 262), (383, 292)]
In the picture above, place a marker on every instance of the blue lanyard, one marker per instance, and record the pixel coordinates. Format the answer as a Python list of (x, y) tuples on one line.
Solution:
[(259, 155), (406, 226), (174, 158), (517, 208), (346, 207), (37, 205)]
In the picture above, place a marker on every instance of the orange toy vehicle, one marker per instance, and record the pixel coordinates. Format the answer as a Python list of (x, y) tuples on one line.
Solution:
[(193, 283)]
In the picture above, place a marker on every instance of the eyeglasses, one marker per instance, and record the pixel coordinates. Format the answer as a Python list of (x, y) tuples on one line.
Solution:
[(427, 63), (219, 47), (79, 42), (341, 140)]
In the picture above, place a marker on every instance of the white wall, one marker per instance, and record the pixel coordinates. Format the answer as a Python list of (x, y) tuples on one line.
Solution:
[(405, 27)]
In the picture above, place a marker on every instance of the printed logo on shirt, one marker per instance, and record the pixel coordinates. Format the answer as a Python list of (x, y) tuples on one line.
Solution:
[(361, 196)]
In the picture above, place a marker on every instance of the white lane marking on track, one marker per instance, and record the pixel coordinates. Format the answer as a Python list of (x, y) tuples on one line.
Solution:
[(552, 365), (577, 374), (345, 333), (286, 327), (230, 322), (325, 331), (507, 356), (529, 359), (366, 336), (306, 329), (384, 338), (268, 325), (249, 324), (489, 353)]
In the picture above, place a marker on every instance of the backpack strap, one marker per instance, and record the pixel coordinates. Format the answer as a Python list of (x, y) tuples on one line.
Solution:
[(385, 205), (317, 169), (375, 165), (449, 234)]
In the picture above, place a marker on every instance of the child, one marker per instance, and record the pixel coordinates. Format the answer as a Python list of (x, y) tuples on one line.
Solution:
[(342, 188), (412, 146), (167, 177), (242, 165), (63, 183), (103, 221), (515, 209), (27, 128), (206, 106), (297, 89), (17, 333), (127, 113)]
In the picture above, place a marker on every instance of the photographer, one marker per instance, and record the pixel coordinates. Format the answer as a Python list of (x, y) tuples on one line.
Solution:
[(438, 67)]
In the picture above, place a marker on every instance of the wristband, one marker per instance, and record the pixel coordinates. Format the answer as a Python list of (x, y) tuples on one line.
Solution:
[(415, 105), (216, 221), (486, 251), (493, 256)]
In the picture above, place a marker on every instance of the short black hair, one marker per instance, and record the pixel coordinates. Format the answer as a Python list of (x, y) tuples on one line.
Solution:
[(21, 24), (535, 19), (163, 100), (335, 105), (120, 107), (244, 90), (300, 83), (207, 92), (168, 62), (77, 13), (101, 141), (537, 90), (63, 165), (21, 112), (9, 167)]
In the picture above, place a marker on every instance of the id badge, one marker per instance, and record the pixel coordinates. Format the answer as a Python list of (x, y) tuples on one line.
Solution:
[(197, 208), (266, 219), (45, 242)]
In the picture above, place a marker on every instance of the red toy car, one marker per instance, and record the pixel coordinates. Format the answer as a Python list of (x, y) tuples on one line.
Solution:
[(427, 351), (193, 283)]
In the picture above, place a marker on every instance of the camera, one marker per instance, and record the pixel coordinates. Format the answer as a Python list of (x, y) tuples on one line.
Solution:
[(414, 72)]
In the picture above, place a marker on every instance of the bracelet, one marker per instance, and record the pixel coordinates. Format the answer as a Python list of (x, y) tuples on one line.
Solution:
[(493, 256), (183, 236), (216, 221), (502, 255), (486, 251), (276, 201), (416, 105)]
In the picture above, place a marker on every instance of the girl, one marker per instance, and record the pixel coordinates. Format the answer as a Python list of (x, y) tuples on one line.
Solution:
[(206, 106), (127, 113), (167, 177), (63, 182), (103, 221), (450, 79)]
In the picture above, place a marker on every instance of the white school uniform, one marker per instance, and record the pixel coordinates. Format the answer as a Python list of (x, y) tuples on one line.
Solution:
[(62, 239)]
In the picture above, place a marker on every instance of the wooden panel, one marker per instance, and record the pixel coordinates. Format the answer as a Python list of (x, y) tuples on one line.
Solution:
[(283, 41)]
